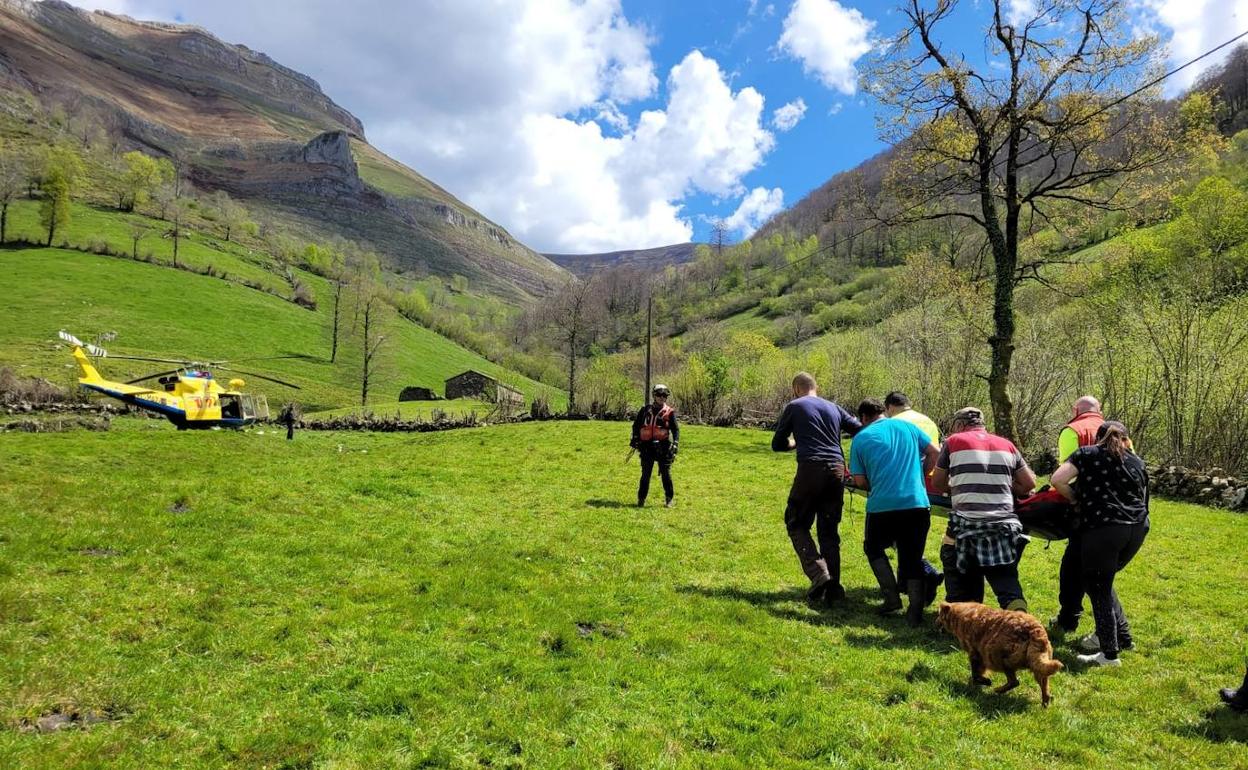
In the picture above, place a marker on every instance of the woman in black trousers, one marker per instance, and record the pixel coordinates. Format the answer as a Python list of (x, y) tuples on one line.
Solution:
[(1109, 484)]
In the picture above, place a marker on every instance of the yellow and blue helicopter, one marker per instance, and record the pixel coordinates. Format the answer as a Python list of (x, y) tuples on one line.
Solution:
[(189, 396)]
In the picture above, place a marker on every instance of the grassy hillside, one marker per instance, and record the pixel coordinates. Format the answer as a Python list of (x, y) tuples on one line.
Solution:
[(488, 598), (162, 312)]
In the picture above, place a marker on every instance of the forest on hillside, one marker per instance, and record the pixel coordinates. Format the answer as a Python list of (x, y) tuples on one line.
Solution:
[(1135, 290)]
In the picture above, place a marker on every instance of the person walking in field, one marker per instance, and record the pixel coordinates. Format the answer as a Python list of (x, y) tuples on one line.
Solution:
[(982, 473), (656, 437), (1079, 432), (897, 406), (813, 426), (891, 460), (1112, 496)]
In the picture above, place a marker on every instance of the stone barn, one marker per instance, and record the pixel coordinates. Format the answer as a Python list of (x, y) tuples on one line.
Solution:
[(417, 393), (474, 384)]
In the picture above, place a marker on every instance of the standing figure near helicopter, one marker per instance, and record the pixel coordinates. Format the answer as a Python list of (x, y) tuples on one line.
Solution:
[(656, 437)]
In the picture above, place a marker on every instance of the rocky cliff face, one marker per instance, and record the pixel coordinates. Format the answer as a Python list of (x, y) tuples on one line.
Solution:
[(167, 56), (246, 124)]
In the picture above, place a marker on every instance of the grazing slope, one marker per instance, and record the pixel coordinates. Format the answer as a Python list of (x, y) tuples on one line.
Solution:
[(248, 125), (487, 598), (179, 314)]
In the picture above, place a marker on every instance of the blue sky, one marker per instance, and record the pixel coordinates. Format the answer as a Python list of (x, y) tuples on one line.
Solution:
[(594, 125)]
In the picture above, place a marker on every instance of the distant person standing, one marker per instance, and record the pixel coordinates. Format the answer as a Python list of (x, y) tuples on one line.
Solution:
[(982, 473), (891, 460), (1086, 419), (813, 426), (656, 437)]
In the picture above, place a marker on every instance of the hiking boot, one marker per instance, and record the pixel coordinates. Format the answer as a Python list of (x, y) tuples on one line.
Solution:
[(1230, 696), (888, 585), (815, 594), (1236, 699), (641, 503), (1090, 643), (834, 592), (668, 503), (916, 591), (1098, 659), (1058, 629), (932, 583)]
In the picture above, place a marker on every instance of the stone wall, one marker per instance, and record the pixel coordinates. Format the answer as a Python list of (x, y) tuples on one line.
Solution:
[(1211, 487)]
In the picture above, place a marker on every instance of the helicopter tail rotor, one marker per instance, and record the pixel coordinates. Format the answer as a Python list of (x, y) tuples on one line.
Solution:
[(94, 351)]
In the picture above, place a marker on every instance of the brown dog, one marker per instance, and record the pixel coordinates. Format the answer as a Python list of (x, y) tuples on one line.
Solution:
[(1001, 640)]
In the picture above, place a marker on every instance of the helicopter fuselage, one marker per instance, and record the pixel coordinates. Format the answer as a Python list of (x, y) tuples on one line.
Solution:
[(190, 399)]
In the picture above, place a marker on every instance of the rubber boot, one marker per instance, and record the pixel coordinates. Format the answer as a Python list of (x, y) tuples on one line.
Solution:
[(834, 592), (888, 585), (1236, 699), (916, 592), (933, 580)]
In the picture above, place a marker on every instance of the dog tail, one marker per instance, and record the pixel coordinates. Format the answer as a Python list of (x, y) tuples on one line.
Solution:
[(1040, 654), (1048, 666)]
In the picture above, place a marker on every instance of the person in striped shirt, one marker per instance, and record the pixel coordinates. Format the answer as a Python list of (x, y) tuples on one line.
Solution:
[(982, 473)]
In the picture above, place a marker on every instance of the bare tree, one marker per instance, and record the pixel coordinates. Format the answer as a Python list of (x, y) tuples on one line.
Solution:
[(1054, 118), (574, 317), (371, 338), (13, 172)]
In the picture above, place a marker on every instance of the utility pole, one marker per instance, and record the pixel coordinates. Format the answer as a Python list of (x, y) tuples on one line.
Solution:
[(645, 397)]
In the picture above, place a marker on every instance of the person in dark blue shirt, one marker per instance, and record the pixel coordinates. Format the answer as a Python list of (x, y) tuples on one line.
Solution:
[(812, 426)]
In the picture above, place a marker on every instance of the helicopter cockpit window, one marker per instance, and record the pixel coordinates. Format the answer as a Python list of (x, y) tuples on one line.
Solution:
[(231, 407)]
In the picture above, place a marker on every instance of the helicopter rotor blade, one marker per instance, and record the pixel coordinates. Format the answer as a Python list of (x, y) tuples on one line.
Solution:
[(182, 361), (262, 377), (152, 376), (300, 356), (92, 350)]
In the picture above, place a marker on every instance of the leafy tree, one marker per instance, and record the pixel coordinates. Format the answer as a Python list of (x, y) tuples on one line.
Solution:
[(230, 214), (61, 169), (141, 178), (1049, 120)]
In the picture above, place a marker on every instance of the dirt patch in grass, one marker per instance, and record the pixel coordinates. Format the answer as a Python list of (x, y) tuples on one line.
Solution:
[(70, 718)]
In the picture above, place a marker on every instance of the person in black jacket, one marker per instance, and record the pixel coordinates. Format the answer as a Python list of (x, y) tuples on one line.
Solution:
[(1111, 491), (656, 437)]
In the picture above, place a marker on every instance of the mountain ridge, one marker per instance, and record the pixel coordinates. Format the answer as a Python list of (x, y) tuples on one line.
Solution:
[(237, 120)]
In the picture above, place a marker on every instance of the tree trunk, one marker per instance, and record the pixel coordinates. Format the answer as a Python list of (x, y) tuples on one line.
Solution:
[(51, 226), (1005, 260), (333, 353), (4, 221), (572, 374), (176, 237)]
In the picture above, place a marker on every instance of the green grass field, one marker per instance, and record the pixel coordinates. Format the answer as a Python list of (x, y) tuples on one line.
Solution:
[(181, 315), (488, 598)]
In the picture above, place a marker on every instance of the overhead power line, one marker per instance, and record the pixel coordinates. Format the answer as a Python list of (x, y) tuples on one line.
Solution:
[(836, 241)]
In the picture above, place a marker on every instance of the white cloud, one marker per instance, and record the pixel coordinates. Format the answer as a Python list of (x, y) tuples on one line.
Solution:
[(1196, 27), (1020, 11), (517, 110), (828, 39), (835, 109), (755, 209), (789, 115)]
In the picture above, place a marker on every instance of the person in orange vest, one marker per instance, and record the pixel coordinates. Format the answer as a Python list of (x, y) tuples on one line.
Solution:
[(656, 437), (1079, 432)]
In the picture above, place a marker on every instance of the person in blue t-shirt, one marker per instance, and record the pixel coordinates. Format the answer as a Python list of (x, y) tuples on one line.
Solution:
[(891, 460)]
